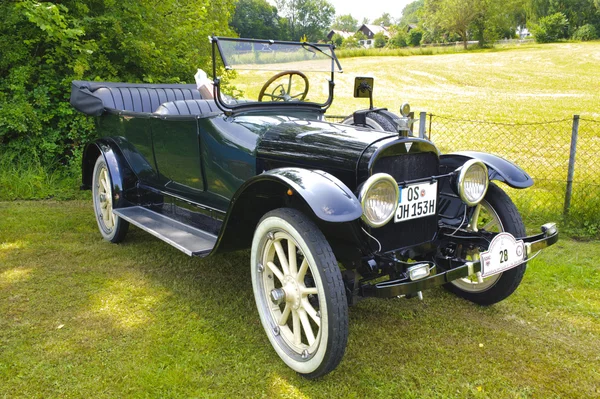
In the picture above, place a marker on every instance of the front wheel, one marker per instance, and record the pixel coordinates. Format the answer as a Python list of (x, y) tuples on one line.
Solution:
[(299, 292), (497, 214)]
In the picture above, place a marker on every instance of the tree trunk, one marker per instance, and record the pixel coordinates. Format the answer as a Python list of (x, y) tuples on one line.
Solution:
[(464, 37)]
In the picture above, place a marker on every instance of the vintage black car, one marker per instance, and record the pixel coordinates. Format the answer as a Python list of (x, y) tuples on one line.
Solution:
[(332, 212)]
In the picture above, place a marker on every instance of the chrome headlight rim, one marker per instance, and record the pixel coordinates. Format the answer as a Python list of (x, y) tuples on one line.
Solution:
[(462, 172), (362, 196)]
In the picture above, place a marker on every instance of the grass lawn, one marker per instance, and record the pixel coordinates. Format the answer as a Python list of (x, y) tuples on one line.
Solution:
[(80, 317)]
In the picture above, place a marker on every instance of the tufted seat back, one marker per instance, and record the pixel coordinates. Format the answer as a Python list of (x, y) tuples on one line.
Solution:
[(143, 99), (188, 107)]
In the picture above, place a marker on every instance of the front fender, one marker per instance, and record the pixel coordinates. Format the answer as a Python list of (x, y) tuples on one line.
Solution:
[(329, 200), (498, 168)]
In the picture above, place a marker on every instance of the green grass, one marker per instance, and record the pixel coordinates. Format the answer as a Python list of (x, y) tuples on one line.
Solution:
[(29, 179), (531, 83), (80, 317)]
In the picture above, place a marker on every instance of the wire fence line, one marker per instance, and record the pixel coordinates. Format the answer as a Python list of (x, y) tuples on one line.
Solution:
[(560, 155)]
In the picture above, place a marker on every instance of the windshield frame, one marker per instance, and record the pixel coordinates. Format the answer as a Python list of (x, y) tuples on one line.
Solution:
[(256, 105)]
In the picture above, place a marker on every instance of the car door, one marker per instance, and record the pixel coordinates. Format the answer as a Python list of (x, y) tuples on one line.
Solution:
[(177, 155)]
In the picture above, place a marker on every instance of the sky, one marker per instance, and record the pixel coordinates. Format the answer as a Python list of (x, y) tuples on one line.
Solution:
[(367, 8)]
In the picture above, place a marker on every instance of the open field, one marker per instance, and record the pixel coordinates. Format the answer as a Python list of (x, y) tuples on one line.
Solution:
[(80, 317), (531, 83)]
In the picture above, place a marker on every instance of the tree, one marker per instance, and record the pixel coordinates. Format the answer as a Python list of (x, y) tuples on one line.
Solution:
[(411, 13), (307, 17), (498, 20), (350, 42), (346, 23), (398, 39), (337, 39), (256, 19), (385, 20), (454, 16), (551, 28), (415, 36), (379, 40), (46, 45)]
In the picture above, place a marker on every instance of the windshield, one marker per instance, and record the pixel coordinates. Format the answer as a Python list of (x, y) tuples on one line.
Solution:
[(269, 55), (273, 73)]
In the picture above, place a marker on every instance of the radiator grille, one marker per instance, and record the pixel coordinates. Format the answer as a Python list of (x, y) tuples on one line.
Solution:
[(409, 166), (411, 232)]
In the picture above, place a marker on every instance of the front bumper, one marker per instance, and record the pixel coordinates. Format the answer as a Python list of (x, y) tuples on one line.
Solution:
[(406, 287)]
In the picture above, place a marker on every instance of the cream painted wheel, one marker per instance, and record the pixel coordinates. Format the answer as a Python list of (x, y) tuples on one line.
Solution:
[(110, 225), (498, 214), (299, 292), (489, 221)]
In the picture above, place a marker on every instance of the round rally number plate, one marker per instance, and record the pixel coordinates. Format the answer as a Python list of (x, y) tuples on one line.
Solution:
[(504, 253)]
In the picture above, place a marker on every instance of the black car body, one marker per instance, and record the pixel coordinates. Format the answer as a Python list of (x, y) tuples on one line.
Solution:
[(220, 175)]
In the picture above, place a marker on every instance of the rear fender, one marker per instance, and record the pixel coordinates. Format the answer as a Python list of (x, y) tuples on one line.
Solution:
[(499, 169), (122, 177), (320, 195)]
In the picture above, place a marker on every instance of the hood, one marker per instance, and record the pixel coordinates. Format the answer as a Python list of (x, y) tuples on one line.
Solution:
[(319, 145)]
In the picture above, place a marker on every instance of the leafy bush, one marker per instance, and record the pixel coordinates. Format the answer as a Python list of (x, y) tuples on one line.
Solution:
[(398, 40), (551, 28), (379, 40), (586, 33), (350, 42), (337, 39), (414, 37), (46, 45)]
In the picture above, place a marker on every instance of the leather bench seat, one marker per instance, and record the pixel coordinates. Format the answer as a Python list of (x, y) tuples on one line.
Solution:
[(143, 99)]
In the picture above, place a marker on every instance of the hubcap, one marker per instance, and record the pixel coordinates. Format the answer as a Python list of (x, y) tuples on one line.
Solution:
[(277, 296), (288, 283)]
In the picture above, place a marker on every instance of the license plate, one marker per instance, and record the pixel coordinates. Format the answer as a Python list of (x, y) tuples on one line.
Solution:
[(416, 201), (504, 253)]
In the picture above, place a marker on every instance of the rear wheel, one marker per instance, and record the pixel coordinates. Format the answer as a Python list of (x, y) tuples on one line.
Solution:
[(498, 214), (299, 292), (112, 227)]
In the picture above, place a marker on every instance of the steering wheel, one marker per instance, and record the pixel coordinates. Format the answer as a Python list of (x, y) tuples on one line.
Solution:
[(279, 92)]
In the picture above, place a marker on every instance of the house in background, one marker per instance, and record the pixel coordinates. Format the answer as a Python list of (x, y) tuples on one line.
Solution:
[(342, 33), (371, 30)]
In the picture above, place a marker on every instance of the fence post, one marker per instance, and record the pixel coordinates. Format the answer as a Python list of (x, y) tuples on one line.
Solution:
[(430, 121), (422, 124), (572, 153)]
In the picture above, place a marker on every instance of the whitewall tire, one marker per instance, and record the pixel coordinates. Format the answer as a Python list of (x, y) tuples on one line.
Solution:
[(299, 292), (112, 227)]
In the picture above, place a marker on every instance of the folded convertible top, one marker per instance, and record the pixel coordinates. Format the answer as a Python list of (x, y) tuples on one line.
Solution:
[(93, 98)]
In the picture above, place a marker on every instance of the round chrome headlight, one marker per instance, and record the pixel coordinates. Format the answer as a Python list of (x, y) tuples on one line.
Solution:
[(379, 199), (472, 182)]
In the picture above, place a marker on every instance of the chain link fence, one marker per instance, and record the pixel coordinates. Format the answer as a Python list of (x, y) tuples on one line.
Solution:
[(561, 156)]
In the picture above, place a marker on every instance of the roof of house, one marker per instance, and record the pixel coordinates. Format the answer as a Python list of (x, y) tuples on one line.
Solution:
[(376, 29), (342, 33)]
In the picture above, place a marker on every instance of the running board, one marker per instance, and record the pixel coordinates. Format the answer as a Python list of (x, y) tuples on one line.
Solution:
[(189, 240)]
